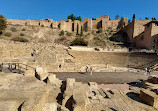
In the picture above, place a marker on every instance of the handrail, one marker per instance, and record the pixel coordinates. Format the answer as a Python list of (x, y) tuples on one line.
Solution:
[(16, 64)]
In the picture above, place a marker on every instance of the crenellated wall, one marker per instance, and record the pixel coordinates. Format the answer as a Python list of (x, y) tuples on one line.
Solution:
[(89, 24)]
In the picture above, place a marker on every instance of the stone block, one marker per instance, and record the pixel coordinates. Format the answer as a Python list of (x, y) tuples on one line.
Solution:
[(30, 73), (50, 107), (41, 73), (149, 97), (93, 86), (70, 82), (53, 80)]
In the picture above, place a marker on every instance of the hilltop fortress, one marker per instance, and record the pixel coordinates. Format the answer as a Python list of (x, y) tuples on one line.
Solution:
[(141, 33), (71, 26)]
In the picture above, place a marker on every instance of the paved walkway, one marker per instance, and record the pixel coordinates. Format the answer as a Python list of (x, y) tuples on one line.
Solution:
[(103, 77)]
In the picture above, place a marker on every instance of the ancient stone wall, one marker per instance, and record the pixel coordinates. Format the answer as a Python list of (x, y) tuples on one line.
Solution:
[(89, 24), (139, 26), (135, 29), (16, 22), (147, 38), (129, 29)]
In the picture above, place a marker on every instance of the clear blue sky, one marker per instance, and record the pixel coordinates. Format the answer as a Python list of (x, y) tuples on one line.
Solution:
[(60, 9)]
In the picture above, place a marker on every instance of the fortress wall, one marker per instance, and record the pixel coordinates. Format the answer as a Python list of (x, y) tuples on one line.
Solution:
[(96, 24), (113, 24), (68, 26), (147, 37), (126, 21), (75, 25), (105, 17), (15, 22), (154, 30), (144, 40), (32, 23), (89, 24), (62, 25), (47, 24), (55, 25), (139, 41), (102, 22), (129, 29), (139, 26)]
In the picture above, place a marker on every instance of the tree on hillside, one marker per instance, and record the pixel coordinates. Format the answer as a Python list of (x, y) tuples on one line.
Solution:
[(153, 18), (77, 30), (81, 34), (129, 21), (134, 17), (121, 23), (72, 17), (3, 23), (146, 18), (117, 17), (93, 18), (1, 16), (78, 18)]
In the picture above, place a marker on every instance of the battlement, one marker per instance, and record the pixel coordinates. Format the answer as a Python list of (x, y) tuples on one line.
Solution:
[(87, 23)]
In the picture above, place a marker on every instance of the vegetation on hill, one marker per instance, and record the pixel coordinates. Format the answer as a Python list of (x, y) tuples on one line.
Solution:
[(7, 34), (3, 23), (146, 18), (79, 42), (134, 17), (117, 17), (19, 39), (121, 24), (72, 17), (62, 33)]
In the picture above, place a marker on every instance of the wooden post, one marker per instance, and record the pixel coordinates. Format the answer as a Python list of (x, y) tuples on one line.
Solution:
[(19, 68), (15, 66), (11, 67)]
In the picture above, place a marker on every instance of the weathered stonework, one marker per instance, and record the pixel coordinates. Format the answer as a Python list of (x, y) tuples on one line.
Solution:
[(88, 24)]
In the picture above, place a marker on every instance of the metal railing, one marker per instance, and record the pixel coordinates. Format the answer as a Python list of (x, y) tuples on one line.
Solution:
[(20, 67)]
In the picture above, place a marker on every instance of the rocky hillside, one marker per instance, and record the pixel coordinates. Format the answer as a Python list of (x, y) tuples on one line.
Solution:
[(97, 38), (30, 33)]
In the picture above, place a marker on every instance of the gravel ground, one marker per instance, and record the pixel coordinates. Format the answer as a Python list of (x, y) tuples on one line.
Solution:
[(103, 77)]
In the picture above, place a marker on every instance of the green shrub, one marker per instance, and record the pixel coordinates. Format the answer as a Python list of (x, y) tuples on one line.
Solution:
[(100, 30), (62, 33), (68, 33), (93, 32), (63, 38), (23, 29), (13, 29), (3, 23), (86, 29), (79, 42), (22, 34), (19, 39), (8, 34)]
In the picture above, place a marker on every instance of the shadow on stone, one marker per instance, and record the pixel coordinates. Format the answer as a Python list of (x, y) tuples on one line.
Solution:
[(69, 103), (113, 109), (19, 108), (60, 95), (134, 96)]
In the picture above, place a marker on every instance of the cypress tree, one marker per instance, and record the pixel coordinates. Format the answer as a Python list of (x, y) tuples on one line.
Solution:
[(81, 34), (77, 29)]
